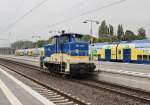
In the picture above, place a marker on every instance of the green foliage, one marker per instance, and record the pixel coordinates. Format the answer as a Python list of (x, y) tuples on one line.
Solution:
[(120, 32), (89, 38), (111, 30), (104, 39), (142, 33), (112, 38), (41, 43), (103, 29), (129, 35), (106, 33)]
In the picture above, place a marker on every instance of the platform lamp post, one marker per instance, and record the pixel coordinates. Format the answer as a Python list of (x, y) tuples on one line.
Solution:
[(91, 24), (91, 31)]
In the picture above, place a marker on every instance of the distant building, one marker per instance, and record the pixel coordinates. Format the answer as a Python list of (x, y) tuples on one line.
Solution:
[(6, 51)]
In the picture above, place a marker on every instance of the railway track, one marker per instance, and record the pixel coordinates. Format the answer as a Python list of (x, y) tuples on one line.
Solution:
[(136, 94), (55, 95)]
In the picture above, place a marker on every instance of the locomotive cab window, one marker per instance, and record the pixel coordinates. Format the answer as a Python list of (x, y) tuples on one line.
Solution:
[(64, 39), (53, 41), (78, 39)]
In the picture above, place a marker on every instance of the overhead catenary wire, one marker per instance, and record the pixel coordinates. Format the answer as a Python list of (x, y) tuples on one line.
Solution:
[(25, 14), (18, 8), (85, 13), (62, 21)]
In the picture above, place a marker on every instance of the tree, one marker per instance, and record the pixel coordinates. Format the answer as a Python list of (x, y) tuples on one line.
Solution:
[(103, 29), (129, 32), (114, 38), (41, 43), (107, 31), (141, 33), (88, 38), (129, 35), (111, 30), (120, 32)]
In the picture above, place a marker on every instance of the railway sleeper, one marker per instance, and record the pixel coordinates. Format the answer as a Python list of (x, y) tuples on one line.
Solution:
[(67, 103)]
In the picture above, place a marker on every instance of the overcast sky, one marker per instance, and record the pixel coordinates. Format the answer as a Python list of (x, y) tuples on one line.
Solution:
[(132, 14)]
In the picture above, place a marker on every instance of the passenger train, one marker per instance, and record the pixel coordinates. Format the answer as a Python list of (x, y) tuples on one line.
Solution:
[(30, 52), (137, 51)]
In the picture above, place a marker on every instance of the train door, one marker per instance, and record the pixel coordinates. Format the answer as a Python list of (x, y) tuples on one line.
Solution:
[(126, 55), (107, 54), (139, 59), (145, 59)]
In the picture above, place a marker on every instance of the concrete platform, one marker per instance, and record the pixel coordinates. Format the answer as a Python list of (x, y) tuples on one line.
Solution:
[(132, 75), (142, 68), (14, 92), (134, 81)]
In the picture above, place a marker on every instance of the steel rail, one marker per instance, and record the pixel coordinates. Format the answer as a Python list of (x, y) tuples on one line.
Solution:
[(67, 96)]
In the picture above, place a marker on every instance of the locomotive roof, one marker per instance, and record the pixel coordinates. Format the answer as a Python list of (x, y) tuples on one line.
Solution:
[(67, 34), (70, 34)]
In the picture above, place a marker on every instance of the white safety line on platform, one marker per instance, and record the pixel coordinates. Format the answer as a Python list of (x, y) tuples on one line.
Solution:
[(28, 89), (11, 97)]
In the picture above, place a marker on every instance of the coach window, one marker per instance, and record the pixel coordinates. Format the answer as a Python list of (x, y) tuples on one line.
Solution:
[(145, 57), (149, 57), (119, 51), (139, 57)]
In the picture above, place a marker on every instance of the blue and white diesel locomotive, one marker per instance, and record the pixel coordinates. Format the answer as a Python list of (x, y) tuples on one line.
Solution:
[(67, 54)]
